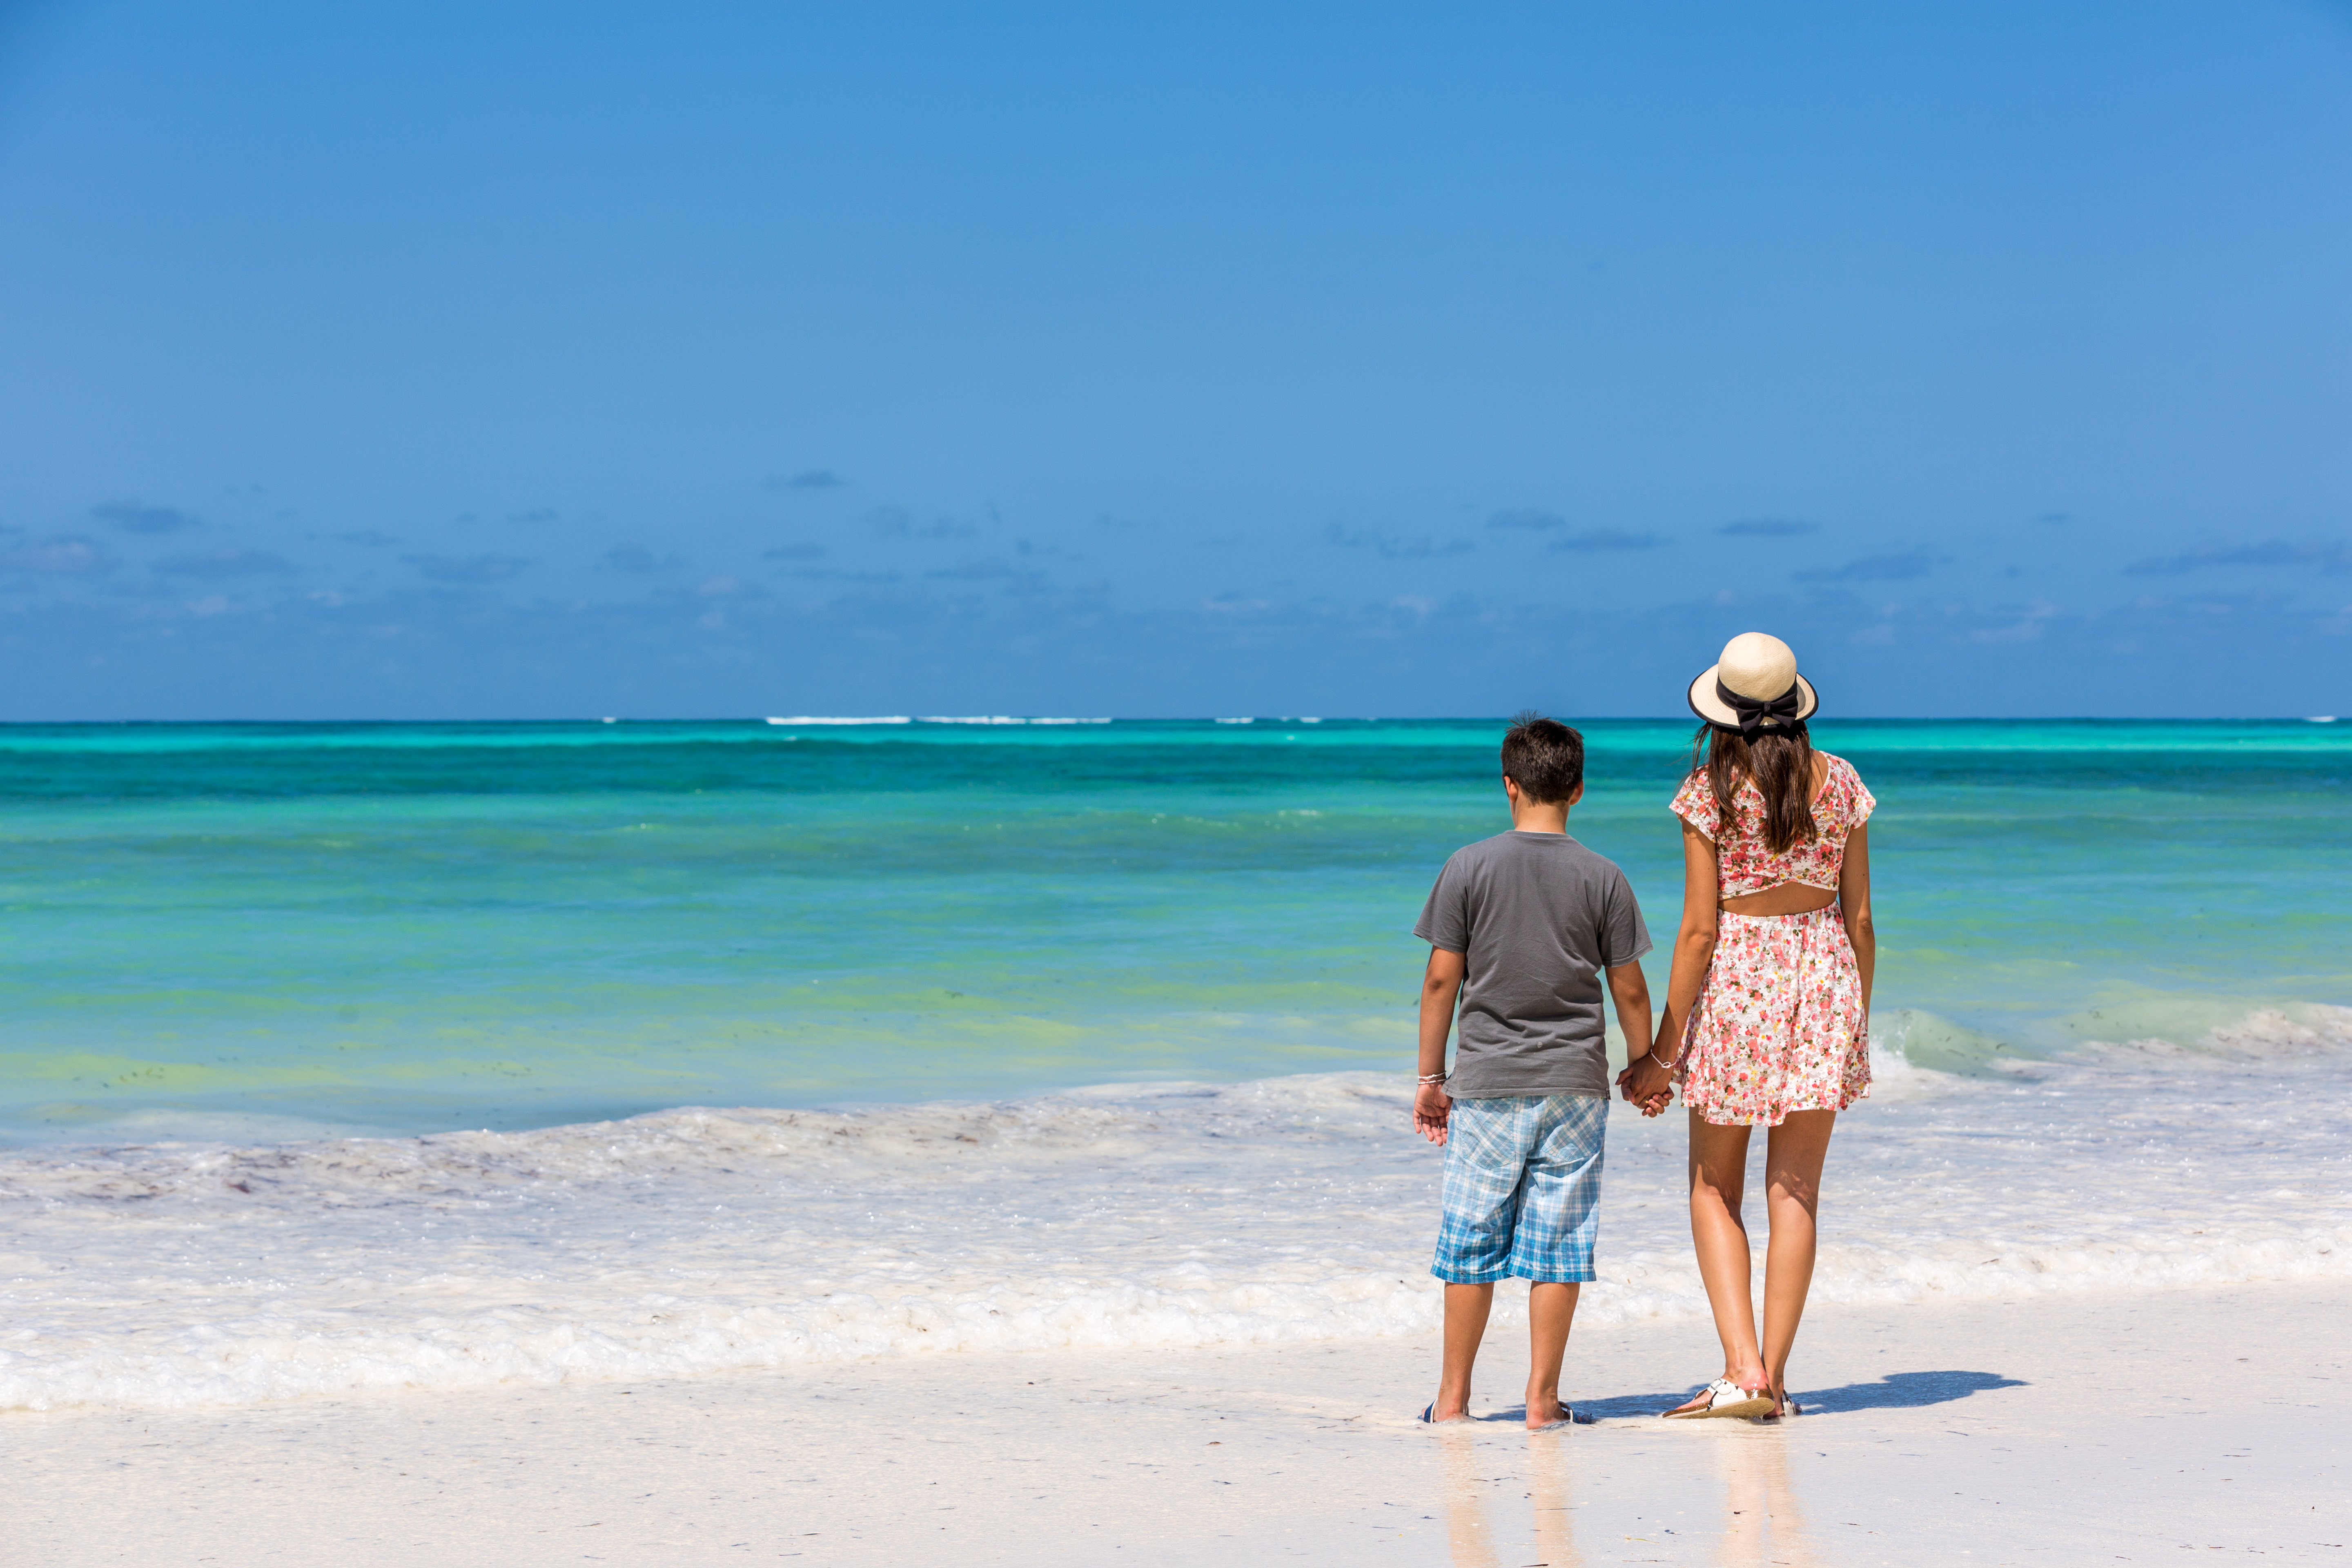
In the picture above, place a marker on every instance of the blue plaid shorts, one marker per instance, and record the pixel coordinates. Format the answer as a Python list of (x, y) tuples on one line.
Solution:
[(1522, 1189)]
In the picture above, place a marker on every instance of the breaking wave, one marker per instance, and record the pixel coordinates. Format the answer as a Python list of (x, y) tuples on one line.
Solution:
[(1287, 1209)]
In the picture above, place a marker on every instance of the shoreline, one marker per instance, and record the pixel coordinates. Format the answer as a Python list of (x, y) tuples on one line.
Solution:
[(1285, 1212), (2194, 1029), (2049, 1428)]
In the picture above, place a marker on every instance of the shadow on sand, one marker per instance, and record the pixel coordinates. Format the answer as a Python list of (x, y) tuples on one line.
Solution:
[(1897, 1391), (1517, 1414)]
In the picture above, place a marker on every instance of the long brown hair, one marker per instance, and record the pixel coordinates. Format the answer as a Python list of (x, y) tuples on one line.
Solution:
[(1781, 763)]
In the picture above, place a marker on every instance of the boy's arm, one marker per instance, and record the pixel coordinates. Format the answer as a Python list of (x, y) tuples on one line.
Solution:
[(1440, 986), (1630, 989)]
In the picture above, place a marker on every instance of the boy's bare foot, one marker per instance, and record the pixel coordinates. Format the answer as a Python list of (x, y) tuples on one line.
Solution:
[(1538, 1423)]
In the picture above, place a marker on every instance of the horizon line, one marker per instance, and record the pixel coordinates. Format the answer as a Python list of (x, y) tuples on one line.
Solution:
[(1235, 721)]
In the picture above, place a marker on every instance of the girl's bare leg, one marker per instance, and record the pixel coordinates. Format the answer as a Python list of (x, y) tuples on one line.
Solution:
[(1719, 1177), (1793, 1154)]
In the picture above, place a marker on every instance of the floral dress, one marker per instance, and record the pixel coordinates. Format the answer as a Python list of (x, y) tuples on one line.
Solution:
[(1781, 1025)]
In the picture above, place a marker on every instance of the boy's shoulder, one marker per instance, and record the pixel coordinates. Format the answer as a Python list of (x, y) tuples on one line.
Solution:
[(1596, 866), (1484, 851), (1480, 849), (1551, 850)]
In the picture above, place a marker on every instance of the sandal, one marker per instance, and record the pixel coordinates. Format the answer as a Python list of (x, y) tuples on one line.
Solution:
[(1724, 1397)]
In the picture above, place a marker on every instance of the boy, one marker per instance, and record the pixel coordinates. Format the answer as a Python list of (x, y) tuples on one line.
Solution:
[(1520, 927)]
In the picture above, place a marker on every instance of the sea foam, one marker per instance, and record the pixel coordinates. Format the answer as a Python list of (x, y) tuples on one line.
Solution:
[(1287, 1209)]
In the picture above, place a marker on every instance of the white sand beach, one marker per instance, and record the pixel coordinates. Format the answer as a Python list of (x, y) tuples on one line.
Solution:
[(2065, 1428)]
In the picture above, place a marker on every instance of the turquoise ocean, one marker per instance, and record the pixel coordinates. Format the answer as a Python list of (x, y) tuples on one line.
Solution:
[(415, 928), (324, 1039)]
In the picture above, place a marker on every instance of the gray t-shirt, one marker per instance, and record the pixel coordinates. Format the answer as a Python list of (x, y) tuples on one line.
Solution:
[(1538, 916)]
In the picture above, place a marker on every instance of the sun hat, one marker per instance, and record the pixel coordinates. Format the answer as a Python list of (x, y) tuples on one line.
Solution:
[(1754, 686)]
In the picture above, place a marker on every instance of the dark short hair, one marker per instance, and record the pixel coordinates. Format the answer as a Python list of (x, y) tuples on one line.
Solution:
[(1544, 757)]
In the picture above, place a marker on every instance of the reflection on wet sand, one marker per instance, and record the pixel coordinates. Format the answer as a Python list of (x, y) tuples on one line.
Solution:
[(1762, 1521), (1759, 1521), (1549, 1474), (1480, 1519), (1469, 1531)]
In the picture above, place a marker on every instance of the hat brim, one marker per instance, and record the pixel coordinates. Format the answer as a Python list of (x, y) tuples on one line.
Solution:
[(1716, 711)]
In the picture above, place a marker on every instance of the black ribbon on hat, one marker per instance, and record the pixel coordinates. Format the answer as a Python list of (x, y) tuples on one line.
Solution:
[(1754, 711)]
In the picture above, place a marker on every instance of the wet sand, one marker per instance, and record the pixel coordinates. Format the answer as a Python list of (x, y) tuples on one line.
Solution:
[(2056, 1429)]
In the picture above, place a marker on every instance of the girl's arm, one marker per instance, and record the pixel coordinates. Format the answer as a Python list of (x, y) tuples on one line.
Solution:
[(1648, 1078), (1693, 943), (1853, 904)]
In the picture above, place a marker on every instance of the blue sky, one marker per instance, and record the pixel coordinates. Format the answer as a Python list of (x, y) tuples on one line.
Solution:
[(481, 360)]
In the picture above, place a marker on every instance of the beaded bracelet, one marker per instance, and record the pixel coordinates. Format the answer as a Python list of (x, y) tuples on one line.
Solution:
[(1435, 1077)]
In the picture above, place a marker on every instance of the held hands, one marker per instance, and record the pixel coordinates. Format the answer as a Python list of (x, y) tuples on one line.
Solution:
[(1432, 1106), (1647, 1083)]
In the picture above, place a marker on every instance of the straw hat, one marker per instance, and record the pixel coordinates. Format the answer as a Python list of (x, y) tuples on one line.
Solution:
[(1754, 687)]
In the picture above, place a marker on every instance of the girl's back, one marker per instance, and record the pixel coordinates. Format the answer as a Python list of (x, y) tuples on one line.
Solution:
[(1746, 862)]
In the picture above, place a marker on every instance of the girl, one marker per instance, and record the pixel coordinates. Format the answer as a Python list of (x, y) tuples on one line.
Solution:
[(1768, 1005)]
